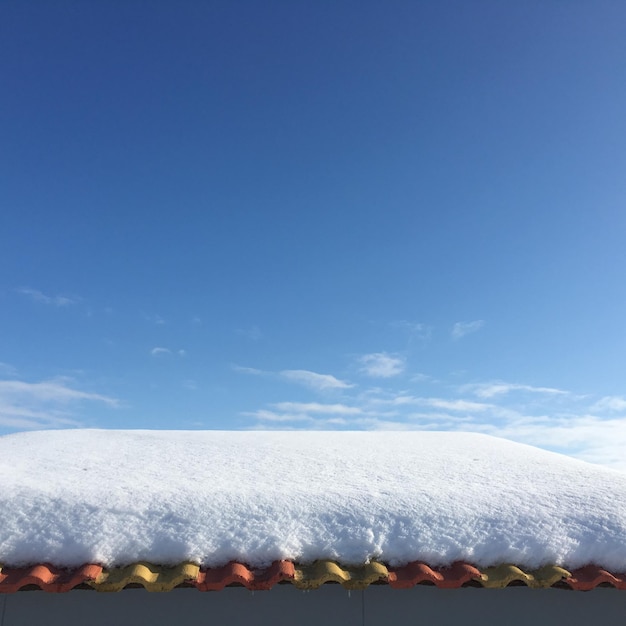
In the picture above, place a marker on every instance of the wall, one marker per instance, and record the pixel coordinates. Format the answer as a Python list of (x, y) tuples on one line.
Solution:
[(331, 605)]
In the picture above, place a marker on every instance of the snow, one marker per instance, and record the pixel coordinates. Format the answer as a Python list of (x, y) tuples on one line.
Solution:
[(117, 497)]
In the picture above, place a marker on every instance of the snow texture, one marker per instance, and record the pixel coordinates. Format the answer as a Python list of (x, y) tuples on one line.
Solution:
[(117, 497)]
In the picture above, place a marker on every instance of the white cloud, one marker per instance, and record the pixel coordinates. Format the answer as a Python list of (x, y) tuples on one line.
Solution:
[(466, 406), (156, 351), (265, 415), (38, 296), (319, 382), (159, 350), (460, 329), (378, 397), (316, 407), (381, 365), (44, 404), (423, 378), (313, 414), (55, 390), (20, 417), (490, 390), (438, 403), (542, 416), (247, 370), (586, 437), (610, 403)]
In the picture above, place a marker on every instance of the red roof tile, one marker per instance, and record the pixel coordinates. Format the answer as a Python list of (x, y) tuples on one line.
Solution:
[(238, 573), (47, 577), (589, 577), (416, 573)]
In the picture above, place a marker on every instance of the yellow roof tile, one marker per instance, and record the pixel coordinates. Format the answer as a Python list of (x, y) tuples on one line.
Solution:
[(320, 572), (151, 577), (503, 575)]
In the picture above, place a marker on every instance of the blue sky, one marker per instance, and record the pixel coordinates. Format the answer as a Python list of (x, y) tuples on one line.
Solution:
[(315, 215)]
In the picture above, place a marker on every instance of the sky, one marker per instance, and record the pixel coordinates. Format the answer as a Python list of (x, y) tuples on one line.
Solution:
[(316, 215)]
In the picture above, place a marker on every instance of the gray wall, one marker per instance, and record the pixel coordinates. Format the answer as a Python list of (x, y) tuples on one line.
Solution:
[(331, 605)]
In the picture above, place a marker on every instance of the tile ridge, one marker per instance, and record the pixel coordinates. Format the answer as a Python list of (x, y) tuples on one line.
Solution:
[(215, 579), (312, 575), (47, 577), (150, 576), (592, 576)]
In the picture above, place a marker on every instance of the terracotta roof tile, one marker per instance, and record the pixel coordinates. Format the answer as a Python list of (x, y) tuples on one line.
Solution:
[(303, 576), (47, 577), (417, 573), (238, 573), (591, 576)]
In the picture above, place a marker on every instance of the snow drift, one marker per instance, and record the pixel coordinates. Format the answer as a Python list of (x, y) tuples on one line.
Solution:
[(116, 497)]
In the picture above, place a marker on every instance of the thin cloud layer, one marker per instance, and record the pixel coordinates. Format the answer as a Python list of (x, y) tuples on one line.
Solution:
[(38, 296), (316, 407), (610, 404), (416, 330), (491, 390), (381, 365), (46, 404), (587, 437), (320, 382), (158, 350), (555, 419), (460, 329), (306, 378), (247, 370)]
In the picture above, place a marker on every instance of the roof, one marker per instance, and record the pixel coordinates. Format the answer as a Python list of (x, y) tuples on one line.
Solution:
[(158, 578), (161, 509)]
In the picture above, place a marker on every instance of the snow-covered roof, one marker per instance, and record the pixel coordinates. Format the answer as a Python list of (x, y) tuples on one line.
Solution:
[(358, 499)]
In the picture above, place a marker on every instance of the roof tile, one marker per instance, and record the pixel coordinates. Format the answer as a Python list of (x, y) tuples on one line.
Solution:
[(321, 572), (238, 573), (47, 577), (151, 577), (303, 576), (503, 575), (589, 577), (417, 573)]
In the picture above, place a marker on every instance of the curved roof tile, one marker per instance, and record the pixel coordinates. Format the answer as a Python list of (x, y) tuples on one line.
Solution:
[(150, 577), (47, 577), (321, 572), (504, 575), (417, 573), (303, 576), (589, 577), (238, 573)]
